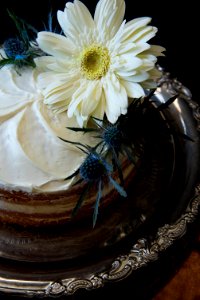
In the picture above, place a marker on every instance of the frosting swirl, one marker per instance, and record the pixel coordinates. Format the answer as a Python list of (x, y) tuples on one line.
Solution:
[(32, 157)]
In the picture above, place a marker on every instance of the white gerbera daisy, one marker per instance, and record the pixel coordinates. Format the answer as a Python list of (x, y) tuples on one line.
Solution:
[(99, 62)]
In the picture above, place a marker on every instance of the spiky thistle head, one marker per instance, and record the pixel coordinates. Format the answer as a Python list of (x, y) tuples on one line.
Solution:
[(15, 49), (94, 167), (112, 136), (20, 51)]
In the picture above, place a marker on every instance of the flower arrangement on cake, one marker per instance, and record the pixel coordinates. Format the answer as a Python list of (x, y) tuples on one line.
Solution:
[(71, 107)]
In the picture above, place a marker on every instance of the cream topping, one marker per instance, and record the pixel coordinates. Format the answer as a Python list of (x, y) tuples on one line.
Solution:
[(32, 157)]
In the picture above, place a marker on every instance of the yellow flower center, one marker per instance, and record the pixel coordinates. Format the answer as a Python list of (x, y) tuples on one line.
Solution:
[(95, 61)]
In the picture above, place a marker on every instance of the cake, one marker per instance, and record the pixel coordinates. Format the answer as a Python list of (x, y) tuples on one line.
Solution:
[(63, 100)]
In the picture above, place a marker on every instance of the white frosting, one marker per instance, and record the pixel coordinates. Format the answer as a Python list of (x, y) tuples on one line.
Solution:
[(32, 157)]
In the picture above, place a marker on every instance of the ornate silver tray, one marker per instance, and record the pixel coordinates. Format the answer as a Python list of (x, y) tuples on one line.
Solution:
[(39, 265)]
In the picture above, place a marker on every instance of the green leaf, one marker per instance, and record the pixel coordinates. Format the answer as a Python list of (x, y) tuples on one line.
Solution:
[(6, 61)]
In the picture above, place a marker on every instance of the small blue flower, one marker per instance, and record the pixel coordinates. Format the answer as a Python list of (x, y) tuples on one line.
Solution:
[(15, 49), (113, 140), (92, 171), (112, 137), (94, 167), (20, 51)]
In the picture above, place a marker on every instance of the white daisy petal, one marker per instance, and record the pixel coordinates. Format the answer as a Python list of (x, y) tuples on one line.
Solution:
[(55, 44), (133, 26), (52, 64), (80, 94), (61, 95), (140, 76), (127, 62), (75, 18), (92, 97), (116, 98), (49, 80), (133, 48), (142, 34), (100, 109), (109, 16), (145, 34), (134, 90), (155, 50), (154, 75), (86, 97)]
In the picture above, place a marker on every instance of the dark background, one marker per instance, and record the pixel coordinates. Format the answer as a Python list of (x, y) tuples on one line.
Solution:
[(177, 22)]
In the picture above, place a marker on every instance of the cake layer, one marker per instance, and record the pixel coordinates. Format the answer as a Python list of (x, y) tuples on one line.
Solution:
[(45, 208)]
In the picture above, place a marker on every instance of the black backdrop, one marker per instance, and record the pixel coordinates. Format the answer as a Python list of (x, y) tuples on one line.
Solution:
[(177, 22)]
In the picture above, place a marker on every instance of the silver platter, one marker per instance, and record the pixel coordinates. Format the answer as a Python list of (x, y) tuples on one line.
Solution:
[(22, 272)]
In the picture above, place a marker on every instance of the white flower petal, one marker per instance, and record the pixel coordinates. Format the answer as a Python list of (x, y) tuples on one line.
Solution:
[(55, 44), (148, 62), (61, 95), (134, 90), (77, 98), (100, 109), (133, 48), (127, 62), (140, 76), (92, 98), (145, 34), (81, 120), (141, 34), (132, 27), (87, 97), (109, 16), (116, 98), (75, 18), (57, 88), (154, 75), (127, 65), (49, 80), (155, 50), (45, 63)]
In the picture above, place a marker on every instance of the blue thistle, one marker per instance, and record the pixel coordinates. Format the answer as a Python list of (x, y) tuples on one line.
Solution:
[(112, 140), (112, 137), (92, 171), (19, 51), (15, 49), (93, 168)]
